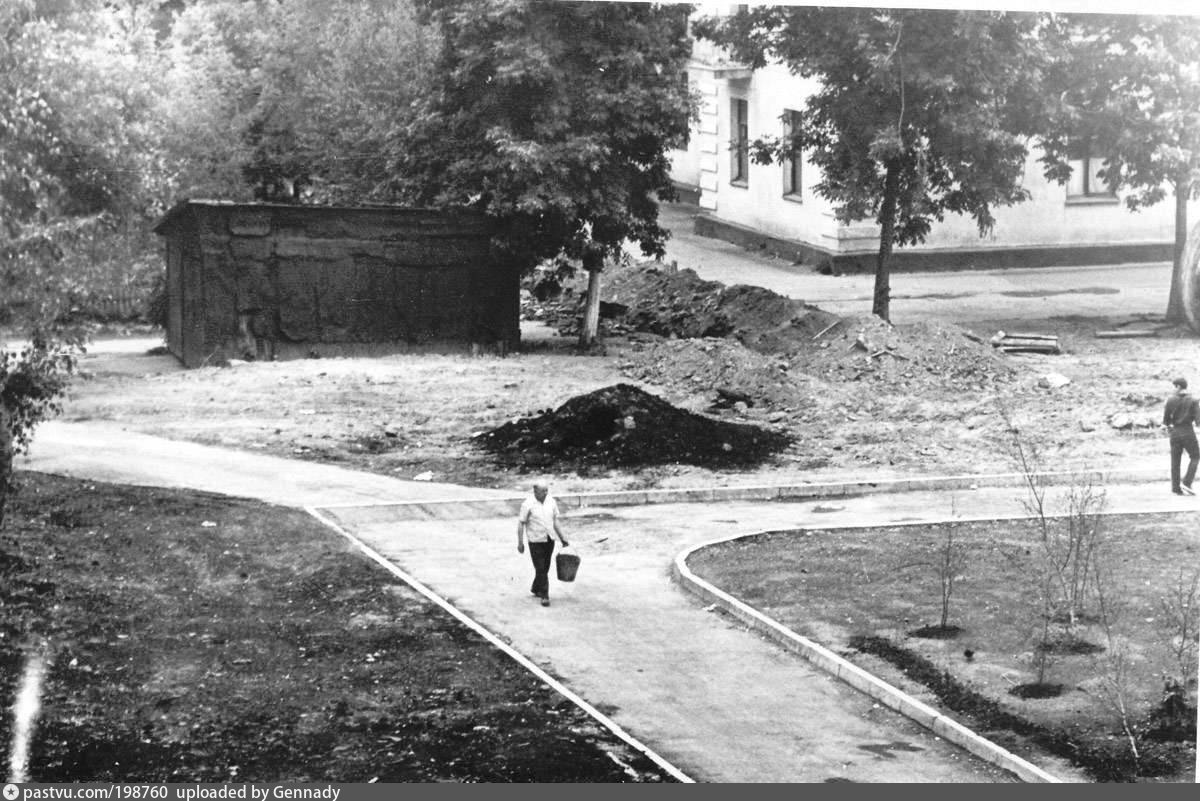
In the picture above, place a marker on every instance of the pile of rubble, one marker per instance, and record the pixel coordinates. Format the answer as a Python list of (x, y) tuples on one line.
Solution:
[(793, 343), (914, 356), (739, 349), (678, 304), (725, 371)]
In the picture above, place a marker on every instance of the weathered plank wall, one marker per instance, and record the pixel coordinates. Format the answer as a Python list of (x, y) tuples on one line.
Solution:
[(275, 281)]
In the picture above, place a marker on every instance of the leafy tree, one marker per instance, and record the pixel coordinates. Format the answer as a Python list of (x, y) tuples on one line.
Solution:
[(291, 100), (32, 381), (70, 108), (554, 118), (1128, 89), (918, 113), (212, 55), (367, 64)]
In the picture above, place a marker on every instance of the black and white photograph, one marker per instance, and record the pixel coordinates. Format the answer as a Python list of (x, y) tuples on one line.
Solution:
[(590, 392)]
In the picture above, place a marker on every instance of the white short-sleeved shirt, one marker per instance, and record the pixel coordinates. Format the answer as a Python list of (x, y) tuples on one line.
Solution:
[(538, 518)]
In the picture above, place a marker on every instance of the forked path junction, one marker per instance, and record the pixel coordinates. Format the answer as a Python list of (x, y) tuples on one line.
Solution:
[(701, 690)]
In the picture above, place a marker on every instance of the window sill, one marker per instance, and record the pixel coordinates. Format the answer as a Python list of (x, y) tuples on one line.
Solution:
[(793, 197), (1093, 200), (740, 184)]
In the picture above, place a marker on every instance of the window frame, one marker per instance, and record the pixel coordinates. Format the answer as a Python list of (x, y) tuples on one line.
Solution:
[(1084, 165), (793, 167), (739, 142)]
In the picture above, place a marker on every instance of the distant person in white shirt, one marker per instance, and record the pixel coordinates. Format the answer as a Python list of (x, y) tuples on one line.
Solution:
[(537, 522)]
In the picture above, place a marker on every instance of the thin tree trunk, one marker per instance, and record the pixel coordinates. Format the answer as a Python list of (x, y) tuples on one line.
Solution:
[(593, 262), (7, 451), (881, 305), (1175, 301)]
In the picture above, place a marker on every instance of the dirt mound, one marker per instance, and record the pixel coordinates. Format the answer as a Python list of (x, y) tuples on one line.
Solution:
[(720, 369), (913, 356), (678, 304), (682, 305), (625, 426)]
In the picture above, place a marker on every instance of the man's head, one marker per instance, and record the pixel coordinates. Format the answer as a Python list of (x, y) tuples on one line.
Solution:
[(1180, 383), (540, 489)]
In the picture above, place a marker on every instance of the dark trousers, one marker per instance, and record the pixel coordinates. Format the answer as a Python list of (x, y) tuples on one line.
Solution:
[(540, 553), (1181, 443)]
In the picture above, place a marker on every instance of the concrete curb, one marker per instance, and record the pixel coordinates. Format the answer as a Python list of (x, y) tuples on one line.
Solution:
[(502, 507), (825, 659)]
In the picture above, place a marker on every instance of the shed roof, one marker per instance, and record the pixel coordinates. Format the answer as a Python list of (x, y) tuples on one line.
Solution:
[(177, 212)]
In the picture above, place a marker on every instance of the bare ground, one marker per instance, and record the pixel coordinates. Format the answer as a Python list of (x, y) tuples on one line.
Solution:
[(874, 595), (408, 415), (199, 638)]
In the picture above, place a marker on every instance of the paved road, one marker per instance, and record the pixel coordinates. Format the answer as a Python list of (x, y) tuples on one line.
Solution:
[(955, 296), (715, 700)]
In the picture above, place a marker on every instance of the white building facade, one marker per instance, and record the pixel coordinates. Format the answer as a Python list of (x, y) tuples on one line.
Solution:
[(773, 207)]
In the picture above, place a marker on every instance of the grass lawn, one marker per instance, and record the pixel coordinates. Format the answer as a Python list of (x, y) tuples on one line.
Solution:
[(869, 593), (198, 638)]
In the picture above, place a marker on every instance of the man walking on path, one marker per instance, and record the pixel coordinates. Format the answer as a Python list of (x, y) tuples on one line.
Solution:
[(537, 522), (1179, 415)]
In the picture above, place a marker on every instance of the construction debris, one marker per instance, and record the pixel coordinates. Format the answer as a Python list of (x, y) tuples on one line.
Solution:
[(1053, 381), (1136, 333), (1126, 421), (1026, 343)]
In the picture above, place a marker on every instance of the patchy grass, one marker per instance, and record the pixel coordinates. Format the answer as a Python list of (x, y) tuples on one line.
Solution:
[(204, 638), (869, 593)]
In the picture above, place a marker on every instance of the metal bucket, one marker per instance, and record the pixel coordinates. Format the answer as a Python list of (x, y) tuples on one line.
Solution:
[(566, 565)]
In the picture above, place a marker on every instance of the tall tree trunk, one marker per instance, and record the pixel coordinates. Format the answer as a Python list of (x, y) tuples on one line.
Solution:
[(881, 305), (593, 262), (1175, 301)]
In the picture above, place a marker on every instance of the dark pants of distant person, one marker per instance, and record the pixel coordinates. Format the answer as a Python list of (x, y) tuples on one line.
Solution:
[(1180, 444), (540, 553)]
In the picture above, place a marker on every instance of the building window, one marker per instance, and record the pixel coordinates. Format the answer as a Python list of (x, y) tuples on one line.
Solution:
[(739, 147), (793, 185), (1085, 181), (686, 80)]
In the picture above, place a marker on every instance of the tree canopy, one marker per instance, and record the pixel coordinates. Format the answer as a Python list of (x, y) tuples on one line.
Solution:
[(917, 113), (1127, 90), (555, 118), (289, 101)]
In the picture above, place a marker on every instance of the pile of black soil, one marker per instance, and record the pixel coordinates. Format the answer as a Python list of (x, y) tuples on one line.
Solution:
[(1037, 689), (936, 631), (624, 426)]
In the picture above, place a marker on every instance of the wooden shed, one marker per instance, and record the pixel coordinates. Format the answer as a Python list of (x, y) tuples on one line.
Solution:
[(266, 281)]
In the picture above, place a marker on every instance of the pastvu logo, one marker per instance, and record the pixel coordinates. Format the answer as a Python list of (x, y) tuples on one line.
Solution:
[(11, 792)]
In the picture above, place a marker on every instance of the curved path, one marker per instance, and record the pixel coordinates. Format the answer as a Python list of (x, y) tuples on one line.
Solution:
[(698, 688)]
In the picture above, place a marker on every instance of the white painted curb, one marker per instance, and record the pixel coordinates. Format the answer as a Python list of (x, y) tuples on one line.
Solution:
[(505, 504), (520, 658), (856, 677)]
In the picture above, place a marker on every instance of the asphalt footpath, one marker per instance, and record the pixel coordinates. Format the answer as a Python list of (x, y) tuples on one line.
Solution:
[(709, 693), (953, 296)]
